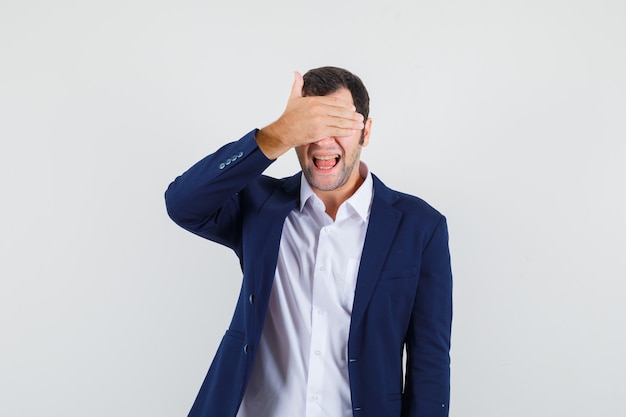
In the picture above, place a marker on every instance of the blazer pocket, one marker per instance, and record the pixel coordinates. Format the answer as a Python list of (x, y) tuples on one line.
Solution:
[(400, 273)]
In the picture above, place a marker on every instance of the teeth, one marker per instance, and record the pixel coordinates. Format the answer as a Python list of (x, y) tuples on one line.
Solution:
[(326, 162)]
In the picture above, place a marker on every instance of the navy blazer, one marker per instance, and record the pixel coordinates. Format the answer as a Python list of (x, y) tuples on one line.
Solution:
[(403, 292)]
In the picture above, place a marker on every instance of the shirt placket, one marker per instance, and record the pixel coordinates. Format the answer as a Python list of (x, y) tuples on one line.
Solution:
[(319, 328)]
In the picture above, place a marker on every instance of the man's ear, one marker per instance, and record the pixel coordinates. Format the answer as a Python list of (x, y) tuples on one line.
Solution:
[(366, 132)]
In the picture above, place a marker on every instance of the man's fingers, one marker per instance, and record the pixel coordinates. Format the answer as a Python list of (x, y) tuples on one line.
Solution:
[(339, 119), (335, 132), (347, 125), (336, 127), (346, 117), (335, 102), (296, 88)]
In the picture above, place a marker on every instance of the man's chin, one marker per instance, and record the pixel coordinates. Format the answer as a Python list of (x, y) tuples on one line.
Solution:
[(323, 184)]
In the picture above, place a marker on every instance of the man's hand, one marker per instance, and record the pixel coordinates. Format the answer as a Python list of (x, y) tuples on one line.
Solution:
[(308, 120)]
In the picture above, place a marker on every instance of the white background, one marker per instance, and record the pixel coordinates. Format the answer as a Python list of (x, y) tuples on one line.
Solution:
[(507, 116)]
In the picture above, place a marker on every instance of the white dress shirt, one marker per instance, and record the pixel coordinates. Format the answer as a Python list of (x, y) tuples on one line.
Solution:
[(301, 366)]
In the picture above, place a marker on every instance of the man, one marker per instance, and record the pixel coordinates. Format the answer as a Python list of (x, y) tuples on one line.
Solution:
[(340, 273)]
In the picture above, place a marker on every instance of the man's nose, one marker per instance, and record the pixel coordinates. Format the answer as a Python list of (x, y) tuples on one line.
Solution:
[(325, 141)]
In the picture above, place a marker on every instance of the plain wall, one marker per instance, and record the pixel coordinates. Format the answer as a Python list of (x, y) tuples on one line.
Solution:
[(507, 116)]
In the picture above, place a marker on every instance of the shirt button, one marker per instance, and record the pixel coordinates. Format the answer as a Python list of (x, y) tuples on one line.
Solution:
[(322, 268), (317, 352), (320, 311), (316, 397)]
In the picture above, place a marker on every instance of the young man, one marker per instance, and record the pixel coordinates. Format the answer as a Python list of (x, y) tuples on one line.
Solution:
[(340, 273)]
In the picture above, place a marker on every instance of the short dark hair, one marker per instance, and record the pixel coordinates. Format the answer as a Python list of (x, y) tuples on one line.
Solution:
[(326, 80)]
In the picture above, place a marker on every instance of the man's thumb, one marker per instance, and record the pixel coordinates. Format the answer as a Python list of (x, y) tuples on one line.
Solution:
[(296, 89)]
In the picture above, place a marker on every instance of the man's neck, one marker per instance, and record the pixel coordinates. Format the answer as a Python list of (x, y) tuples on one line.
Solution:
[(334, 199)]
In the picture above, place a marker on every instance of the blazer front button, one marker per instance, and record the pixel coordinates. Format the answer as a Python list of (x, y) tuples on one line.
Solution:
[(251, 298), (245, 349)]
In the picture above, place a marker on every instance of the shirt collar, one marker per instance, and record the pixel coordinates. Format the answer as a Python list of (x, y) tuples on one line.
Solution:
[(360, 201)]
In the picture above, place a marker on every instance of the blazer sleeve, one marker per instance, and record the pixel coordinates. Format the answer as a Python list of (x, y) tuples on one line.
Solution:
[(427, 386), (205, 199)]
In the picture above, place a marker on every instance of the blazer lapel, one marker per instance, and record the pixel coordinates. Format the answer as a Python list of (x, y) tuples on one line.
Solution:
[(265, 236), (383, 224)]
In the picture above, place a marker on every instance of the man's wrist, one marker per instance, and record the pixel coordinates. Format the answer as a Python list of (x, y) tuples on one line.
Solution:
[(269, 144)]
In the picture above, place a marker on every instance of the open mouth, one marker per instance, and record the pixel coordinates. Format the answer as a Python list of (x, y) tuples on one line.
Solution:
[(325, 162)]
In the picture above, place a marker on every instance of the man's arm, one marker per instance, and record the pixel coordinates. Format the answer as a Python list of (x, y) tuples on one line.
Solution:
[(204, 199), (427, 390)]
